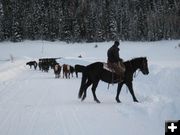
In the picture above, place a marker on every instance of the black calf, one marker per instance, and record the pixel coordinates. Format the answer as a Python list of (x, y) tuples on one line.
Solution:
[(32, 63)]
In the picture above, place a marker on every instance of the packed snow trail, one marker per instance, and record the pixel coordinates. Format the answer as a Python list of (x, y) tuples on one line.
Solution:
[(35, 103)]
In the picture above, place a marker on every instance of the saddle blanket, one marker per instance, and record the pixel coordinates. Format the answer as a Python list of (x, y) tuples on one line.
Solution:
[(105, 66)]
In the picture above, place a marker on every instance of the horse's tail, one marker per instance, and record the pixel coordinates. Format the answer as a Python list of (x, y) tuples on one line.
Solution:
[(83, 82)]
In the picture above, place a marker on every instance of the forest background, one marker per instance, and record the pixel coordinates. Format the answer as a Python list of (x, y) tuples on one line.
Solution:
[(89, 20)]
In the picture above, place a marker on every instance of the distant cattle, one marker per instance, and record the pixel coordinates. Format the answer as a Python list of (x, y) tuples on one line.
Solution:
[(46, 63), (79, 68), (43, 65), (72, 70), (32, 63), (67, 70), (57, 70)]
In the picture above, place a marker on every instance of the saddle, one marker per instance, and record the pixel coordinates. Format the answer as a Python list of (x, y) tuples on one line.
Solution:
[(117, 68), (108, 68)]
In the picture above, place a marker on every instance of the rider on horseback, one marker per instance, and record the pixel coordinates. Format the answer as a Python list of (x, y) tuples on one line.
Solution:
[(115, 62)]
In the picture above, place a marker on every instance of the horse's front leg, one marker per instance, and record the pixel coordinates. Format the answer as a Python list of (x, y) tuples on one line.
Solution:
[(118, 92), (130, 86), (76, 74), (69, 74)]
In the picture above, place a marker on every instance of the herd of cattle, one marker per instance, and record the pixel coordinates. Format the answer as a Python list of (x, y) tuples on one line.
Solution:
[(45, 64)]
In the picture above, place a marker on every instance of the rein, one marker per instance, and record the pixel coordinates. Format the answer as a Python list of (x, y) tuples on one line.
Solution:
[(135, 73)]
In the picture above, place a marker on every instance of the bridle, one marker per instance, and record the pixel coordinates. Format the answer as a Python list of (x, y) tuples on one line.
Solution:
[(144, 65), (136, 73)]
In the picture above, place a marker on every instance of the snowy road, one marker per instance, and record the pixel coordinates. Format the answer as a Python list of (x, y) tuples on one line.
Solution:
[(35, 103), (28, 107)]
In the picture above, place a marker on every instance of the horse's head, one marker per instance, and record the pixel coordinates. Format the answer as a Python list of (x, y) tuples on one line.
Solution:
[(144, 66)]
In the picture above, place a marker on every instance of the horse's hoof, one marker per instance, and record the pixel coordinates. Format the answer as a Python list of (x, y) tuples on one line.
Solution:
[(136, 101), (118, 101), (97, 101), (82, 99)]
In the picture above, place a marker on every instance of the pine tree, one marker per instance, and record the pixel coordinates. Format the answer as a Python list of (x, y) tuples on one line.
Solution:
[(27, 21), (112, 21), (7, 21), (89, 20), (125, 16), (1, 22), (76, 30), (16, 34)]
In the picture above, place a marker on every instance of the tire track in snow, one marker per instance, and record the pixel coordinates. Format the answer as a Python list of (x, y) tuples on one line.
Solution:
[(12, 88), (5, 88), (70, 121), (77, 120), (9, 92), (7, 119), (64, 126), (12, 91), (37, 111)]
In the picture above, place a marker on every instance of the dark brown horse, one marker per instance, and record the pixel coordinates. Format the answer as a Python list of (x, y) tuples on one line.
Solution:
[(95, 72)]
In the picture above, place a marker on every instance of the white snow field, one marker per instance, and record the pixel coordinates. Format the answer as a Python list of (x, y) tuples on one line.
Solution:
[(35, 103)]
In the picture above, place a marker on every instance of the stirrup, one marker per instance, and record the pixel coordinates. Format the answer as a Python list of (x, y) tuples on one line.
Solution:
[(121, 79)]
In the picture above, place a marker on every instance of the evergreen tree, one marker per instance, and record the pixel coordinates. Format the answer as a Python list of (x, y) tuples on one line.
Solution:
[(1, 22), (27, 20), (89, 20), (125, 16), (16, 33), (112, 21), (7, 21)]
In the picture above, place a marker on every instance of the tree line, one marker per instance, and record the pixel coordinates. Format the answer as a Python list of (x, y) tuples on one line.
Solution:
[(89, 20)]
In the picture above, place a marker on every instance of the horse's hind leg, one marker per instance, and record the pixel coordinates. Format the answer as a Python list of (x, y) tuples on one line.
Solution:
[(85, 89), (76, 74), (63, 74), (94, 90), (132, 91), (118, 92)]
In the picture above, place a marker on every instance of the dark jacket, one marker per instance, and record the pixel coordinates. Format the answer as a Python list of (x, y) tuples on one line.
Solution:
[(113, 54)]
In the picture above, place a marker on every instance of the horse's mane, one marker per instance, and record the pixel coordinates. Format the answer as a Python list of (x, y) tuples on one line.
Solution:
[(134, 59)]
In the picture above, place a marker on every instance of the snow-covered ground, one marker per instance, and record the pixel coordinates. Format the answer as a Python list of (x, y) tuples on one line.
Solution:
[(35, 103)]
